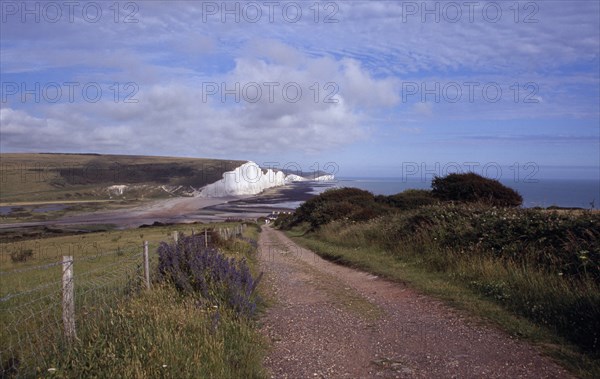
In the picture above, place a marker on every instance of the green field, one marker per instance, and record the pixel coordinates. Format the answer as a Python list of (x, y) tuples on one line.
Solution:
[(122, 328)]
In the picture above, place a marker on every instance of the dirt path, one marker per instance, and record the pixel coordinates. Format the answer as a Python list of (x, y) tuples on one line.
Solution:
[(331, 321)]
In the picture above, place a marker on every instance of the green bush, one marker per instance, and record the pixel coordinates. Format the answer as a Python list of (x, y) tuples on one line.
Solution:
[(471, 187), (409, 199), (350, 204), (283, 220), (561, 243)]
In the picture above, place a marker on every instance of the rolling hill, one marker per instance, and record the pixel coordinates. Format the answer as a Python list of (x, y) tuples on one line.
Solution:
[(49, 177)]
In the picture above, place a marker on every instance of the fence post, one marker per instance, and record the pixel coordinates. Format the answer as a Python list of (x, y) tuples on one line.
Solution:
[(175, 236), (68, 301), (146, 265), (205, 237)]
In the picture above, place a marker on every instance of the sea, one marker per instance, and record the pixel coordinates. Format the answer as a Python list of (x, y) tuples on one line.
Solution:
[(577, 193)]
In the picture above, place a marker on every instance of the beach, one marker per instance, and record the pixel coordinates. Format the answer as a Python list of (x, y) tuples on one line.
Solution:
[(192, 209)]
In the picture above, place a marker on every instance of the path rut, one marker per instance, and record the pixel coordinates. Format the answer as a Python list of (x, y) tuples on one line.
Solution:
[(330, 321)]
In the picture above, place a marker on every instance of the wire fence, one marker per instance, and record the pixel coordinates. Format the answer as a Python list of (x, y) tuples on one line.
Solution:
[(33, 312), (43, 305)]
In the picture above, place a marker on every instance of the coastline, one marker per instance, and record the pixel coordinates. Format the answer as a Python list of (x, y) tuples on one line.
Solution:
[(210, 209), (191, 209)]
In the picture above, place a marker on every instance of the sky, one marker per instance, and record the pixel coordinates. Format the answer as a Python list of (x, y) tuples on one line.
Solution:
[(354, 88)]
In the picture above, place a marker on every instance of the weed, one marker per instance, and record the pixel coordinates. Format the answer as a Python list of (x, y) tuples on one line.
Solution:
[(21, 255)]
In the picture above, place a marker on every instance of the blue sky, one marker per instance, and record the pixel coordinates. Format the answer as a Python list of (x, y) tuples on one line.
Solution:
[(383, 84)]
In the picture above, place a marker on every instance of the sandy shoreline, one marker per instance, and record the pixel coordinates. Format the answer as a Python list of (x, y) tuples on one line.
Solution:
[(190, 209)]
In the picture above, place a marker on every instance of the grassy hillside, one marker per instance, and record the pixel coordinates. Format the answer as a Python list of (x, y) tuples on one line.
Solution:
[(83, 177)]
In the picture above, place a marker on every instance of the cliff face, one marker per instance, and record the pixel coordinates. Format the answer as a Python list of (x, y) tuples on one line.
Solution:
[(250, 179)]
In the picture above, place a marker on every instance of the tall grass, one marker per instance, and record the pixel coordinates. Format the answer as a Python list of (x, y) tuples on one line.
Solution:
[(164, 334)]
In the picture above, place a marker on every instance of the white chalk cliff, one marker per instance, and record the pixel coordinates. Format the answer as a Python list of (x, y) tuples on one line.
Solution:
[(324, 178), (250, 179), (294, 178)]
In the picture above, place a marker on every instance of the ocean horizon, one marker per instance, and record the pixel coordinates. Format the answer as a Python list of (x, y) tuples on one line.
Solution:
[(579, 193)]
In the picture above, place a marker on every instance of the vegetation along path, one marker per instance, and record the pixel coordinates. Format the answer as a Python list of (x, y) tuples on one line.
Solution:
[(330, 321)]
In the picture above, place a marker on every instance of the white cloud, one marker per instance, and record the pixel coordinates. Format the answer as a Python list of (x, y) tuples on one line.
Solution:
[(15, 121), (171, 52), (173, 118)]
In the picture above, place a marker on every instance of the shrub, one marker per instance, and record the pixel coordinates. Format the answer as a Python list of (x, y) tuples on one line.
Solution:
[(471, 187), (409, 199), (561, 243), (351, 204), (194, 268), (283, 220)]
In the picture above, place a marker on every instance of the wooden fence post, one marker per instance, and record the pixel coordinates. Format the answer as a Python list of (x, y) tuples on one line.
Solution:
[(205, 237), (175, 236), (68, 298), (146, 265)]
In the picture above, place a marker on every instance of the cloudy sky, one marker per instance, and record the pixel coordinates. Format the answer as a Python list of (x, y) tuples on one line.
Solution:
[(373, 86)]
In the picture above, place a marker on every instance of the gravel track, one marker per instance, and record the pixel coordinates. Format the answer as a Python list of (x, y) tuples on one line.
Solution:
[(330, 321)]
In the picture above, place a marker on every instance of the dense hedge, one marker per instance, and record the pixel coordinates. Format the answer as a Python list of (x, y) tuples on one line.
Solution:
[(339, 204), (471, 187), (409, 199), (354, 204), (563, 243)]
